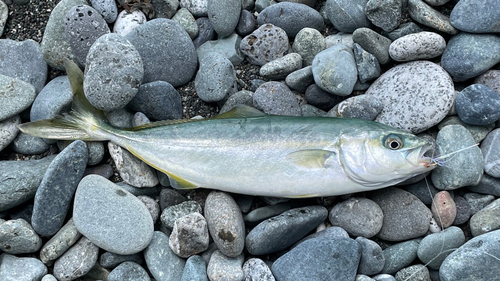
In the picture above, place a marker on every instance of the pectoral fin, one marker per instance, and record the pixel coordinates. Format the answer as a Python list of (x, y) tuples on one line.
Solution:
[(312, 158)]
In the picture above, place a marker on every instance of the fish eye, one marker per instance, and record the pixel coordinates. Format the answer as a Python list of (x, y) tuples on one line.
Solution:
[(393, 142)]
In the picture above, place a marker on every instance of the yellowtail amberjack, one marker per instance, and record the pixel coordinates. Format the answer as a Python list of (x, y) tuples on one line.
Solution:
[(246, 151)]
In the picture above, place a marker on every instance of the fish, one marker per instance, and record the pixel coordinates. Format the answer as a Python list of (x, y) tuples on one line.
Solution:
[(246, 151)]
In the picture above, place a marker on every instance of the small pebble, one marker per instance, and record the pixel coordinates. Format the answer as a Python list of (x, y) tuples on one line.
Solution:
[(126, 22), (9, 130), (399, 256), (265, 44), (308, 43), (189, 235), (402, 30), (216, 79), (246, 23), (28, 144), (415, 272), (112, 260), (490, 148), (60, 242), (373, 43), (21, 268), (321, 99), (152, 205), (260, 214), (224, 15), (128, 271), (281, 67), (301, 79), (478, 132), (17, 96), (77, 261), (358, 216), (361, 107), (486, 219), (478, 104), (347, 16), (170, 197), (197, 7), (367, 64), (426, 15), (162, 263), (158, 100), (475, 16), (329, 232), (222, 267), (55, 98), (171, 213), (257, 269), (463, 210), (107, 9), (434, 248), (229, 47), (490, 78), (205, 32), (372, 257), (132, 170), (18, 237), (195, 269), (187, 21), (444, 209), (417, 46), (384, 14), (477, 201), (277, 99)]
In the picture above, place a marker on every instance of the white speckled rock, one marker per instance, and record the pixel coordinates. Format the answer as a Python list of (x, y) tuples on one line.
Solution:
[(416, 46), (416, 95), (126, 22)]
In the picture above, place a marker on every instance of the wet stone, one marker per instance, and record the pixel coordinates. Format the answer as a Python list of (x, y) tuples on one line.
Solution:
[(195, 269), (486, 219), (434, 248), (426, 15), (77, 261), (222, 267), (128, 271), (372, 258), (158, 100), (171, 213), (18, 237), (60, 242), (265, 44), (163, 264), (347, 16), (478, 104), (399, 256), (21, 268), (373, 43), (358, 216), (367, 64), (417, 46), (384, 14), (216, 78), (257, 269), (276, 98)]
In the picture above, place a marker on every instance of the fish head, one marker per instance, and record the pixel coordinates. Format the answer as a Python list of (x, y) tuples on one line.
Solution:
[(381, 157)]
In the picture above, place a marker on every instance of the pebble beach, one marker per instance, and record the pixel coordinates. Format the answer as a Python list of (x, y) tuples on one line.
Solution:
[(78, 210)]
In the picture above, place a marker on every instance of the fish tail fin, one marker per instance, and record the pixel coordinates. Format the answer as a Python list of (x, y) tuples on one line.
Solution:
[(84, 122)]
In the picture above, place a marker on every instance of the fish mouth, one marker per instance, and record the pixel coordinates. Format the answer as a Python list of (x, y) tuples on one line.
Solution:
[(422, 156)]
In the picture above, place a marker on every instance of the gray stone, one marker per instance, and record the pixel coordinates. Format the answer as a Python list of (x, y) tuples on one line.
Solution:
[(83, 26), (174, 212), (280, 68), (265, 44), (403, 30), (334, 70), (55, 47), (224, 15), (416, 46), (346, 15), (21, 268), (477, 201), (415, 272), (276, 98), (77, 261), (195, 269), (112, 260), (434, 248), (301, 79), (132, 170), (225, 223), (107, 9), (426, 15), (399, 256), (140, 119), (413, 88), (28, 144), (125, 225), (475, 16), (490, 147), (367, 64), (463, 210), (95, 150), (163, 264), (423, 190), (149, 191), (478, 132), (373, 43), (158, 100), (310, 110), (23, 60), (187, 21), (9, 130), (205, 32), (361, 107), (126, 22), (166, 50), (372, 257), (486, 220), (331, 232), (490, 78), (358, 216), (260, 214), (197, 7), (405, 217), (55, 193), (292, 17), (260, 5), (17, 96), (478, 104), (257, 269), (242, 97), (152, 205), (280, 232), (468, 55), (228, 47), (384, 14), (216, 78), (189, 235), (308, 43), (4, 13), (319, 259), (121, 118), (19, 180), (222, 267), (55, 98), (128, 271), (165, 8), (473, 259), (384, 277), (246, 23), (321, 99), (114, 73), (18, 237), (464, 168), (170, 197), (60, 242), (339, 38)]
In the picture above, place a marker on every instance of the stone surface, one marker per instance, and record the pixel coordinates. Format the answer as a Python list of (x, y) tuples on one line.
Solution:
[(246, 23), (224, 15), (125, 225), (361, 107), (77, 261), (347, 16), (55, 193), (152, 205), (384, 14), (434, 248), (405, 216), (417, 46), (216, 78), (321, 99), (402, 30), (189, 235), (278, 233), (166, 50), (53, 99), (308, 43), (367, 64), (227, 46), (477, 201), (114, 73), (28, 144), (358, 216), (372, 258), (415, 272), (478, 132), (490, 78), (242, 97), (132, 170), (463, 210), (126, 22), (9, 130), (112, 260), (265, 44), (197, 7), (276, 98), (174, 212), (490, 147), (60, 242), (195, 269), (373, 43), (478, 104), (205, 32), (4, 14), (475, 16), (399, 255), (281, 67), (163, 264), (464, 168), (21, 268), (426, 15), (301, 79), (260, 214), (257, 269), (444, 209), (158, 100), (468, 55), (107, 9), (486, 220), (413, 88), (17, 95), (334, 70), (187, 21), (128, 271), (18, 237), (222, 267)]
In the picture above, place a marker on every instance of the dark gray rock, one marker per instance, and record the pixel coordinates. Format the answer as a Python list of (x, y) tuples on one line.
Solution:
[(107, 9), (468, 55), (358, 216), (17, 96), (373, 43), (402, 30), (361, 107), (121, 118), (9, 130), (112, 260), (60, 242), (278, 233), (128, 271), (308, 43), (331, 232), (242, 97), (187, 21), (321, 99), (372, 258), (18, 237), (216, 78), (265, 44), (224, 15), (490, 78), (434, 248), (486, 219), (405, 217), (125, 227), (478, 132), (478, 105), (170, 197), (165, 8), (464, 168), (319, 259), (23, 60), (95, 150), (55, 193), (276, 98), (83, 26), (347, 16), (195, 269), (301, 79), (423, 190), (399, 256), (28, 144), (166, 50), (205, 32), (19, 180), (417, 46), (172, 213), (413, 88), (292, 17), (55, 98), (310, 110), (21, 268), (163, 264), (367, 64), (260, 214), (158, 100), (77, 261), (384, 14), (473, 259), (260, 5), (225, 223), (475, 16), (426, 15), (229, 47), (334, 70), (491, 153), (246, 23), (463, 210), (477, 201)]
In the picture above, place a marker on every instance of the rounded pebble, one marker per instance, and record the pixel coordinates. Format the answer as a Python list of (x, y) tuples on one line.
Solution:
[(358, 216), (17, 95), (55, 98), (128, 271), (158, 100), (308, 43), (216, 78), (198, 8), (227, 46), (475, 16), (281, 67), (222, 267), (301, 79), (195, 269), (9, 130), (361, 107), (372, 258), (373, 43), (187, 21), (21, 268), (60, 242), (367, 64), (132, 170), (417, 46), (384, 14), (276, 98), (257, 269), (414, 272), (161, 261), (77, 261), (477, 201), (486, 219), (224, 15), (126, 22), (18, 237), (490, 147), (399, 255), (265, 44), (478, 104), (444, 209), (346, 15), (107, 9), (434, 248), (424, 14), (152, 205)]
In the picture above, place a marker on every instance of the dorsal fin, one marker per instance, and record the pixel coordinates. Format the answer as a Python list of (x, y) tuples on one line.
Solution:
[(239, 111)]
